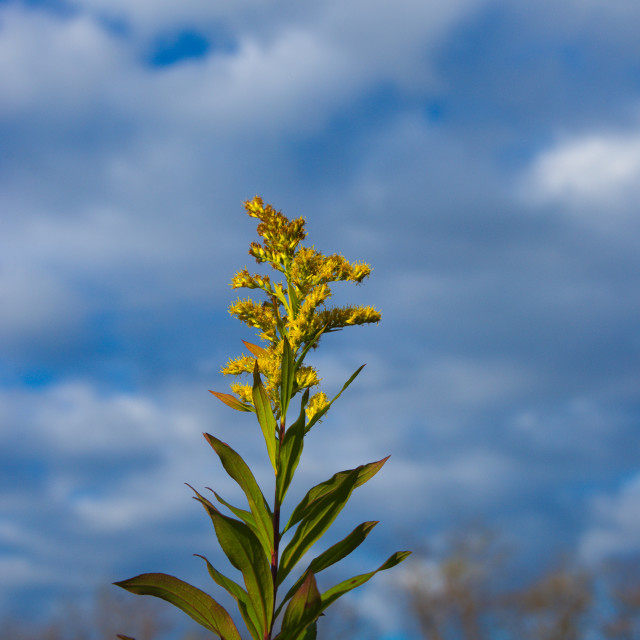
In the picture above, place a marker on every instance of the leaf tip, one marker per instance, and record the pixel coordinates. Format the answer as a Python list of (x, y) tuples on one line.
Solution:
[(254, 349), (208, 437)]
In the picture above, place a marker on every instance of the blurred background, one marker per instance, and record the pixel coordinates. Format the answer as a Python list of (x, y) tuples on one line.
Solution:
[(482, 155)]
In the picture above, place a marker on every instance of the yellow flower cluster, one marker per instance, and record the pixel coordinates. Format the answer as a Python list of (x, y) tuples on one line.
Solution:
[(256, 316), (295, 308), (281, 236), (318, 402), (243, 279)]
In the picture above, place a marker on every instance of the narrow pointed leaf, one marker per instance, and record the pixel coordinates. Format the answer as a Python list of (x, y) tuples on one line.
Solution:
[(288, 376), (317, 519), (226, 583), (311, 632), (276, 313), (293, 299), (342, 549), (245, 553), (365, 473), (242, 598), (245, 516), (304, 608), (232, 401), (265, 415), (310, 342), (290, 450), (279, 295), (207, 504), (238, 469), (194, 602), (330, 596), (243, 549), (334, 554), (326, 408), (255, 349), (242, 514), (119, 635)]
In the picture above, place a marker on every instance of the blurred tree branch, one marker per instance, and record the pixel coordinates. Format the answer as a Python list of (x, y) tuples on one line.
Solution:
[(468, 592)]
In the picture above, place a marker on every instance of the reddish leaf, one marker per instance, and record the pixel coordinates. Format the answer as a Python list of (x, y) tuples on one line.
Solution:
[(231, 401), (256, 350)]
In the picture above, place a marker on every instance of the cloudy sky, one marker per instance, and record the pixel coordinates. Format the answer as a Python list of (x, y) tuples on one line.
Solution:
[(483, 156)]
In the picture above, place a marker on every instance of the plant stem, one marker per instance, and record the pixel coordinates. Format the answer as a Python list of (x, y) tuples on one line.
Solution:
[(276, 539)]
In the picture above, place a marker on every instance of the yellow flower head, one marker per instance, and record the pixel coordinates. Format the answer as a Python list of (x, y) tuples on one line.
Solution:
[(294, 309)]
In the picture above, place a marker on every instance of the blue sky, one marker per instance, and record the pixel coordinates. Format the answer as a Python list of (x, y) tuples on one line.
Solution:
[(483, 156)]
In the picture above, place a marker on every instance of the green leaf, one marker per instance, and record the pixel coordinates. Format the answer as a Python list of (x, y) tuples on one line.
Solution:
[(330, 596), (326, 408), (276, 312), (311, 632), (265, 415), (245, 516), (208, 505), (304, 608), (232, 401), (290, 451), (288, 376), (194, 602), (293, 299), (309, 344), (333, 554), (242, 514), (365, 473), (226, 583), (342, 549), (245, 553), (316, 520), (238, 469), (242, 598)]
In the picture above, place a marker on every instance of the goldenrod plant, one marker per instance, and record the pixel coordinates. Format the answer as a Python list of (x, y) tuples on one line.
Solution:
[(291, 320)]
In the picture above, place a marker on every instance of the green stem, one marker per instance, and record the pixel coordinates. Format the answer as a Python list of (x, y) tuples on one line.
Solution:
[(291, 312), (276, 540)]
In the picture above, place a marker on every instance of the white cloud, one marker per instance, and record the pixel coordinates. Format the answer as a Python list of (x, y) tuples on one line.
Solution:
[(74, 427), (108, 201), (35, 304), (312, 63), (76, 419), (286, 85), (584, 424), (615, 528), (74, 60), (112, 184), (380, 601), (448, 393), (140, 501), (157, 15), (470, 481), (393, 41), (594, 170), (384, 34), (18, 571)]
